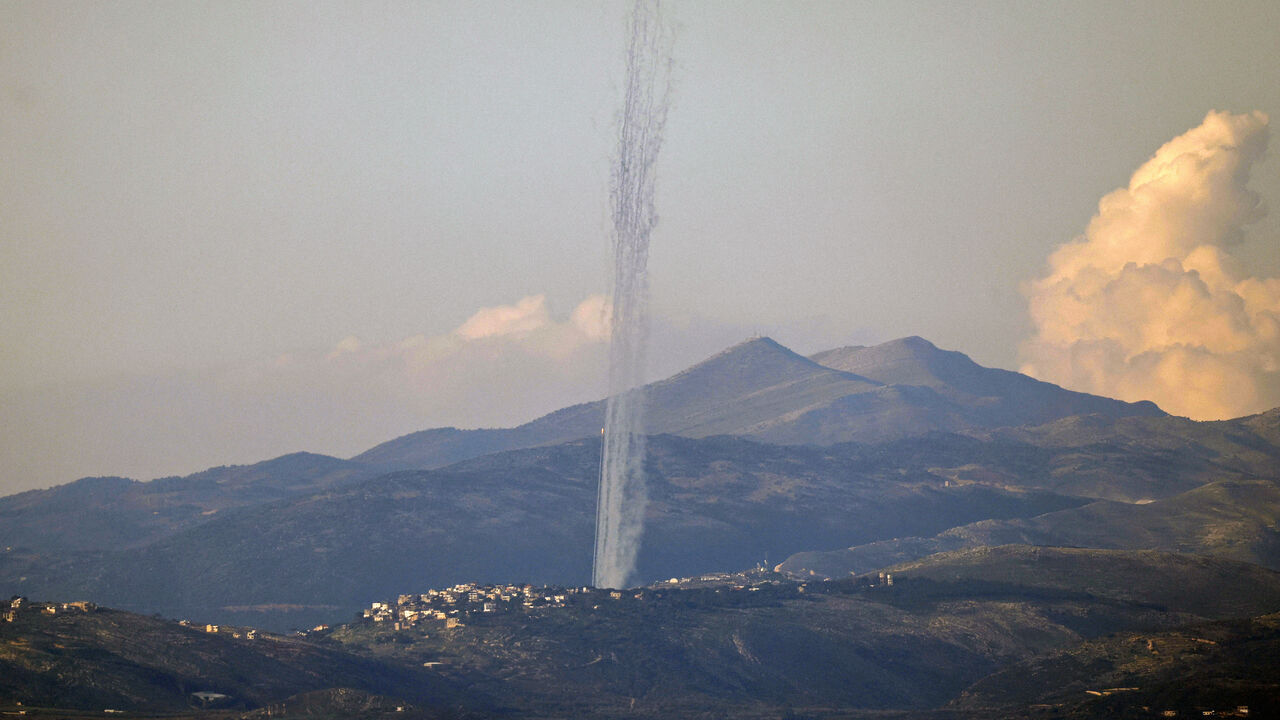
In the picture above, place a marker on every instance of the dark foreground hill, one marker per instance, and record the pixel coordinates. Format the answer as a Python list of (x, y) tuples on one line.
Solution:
[(1227, 668), (741, 645), (104, 659), (762, 390), (946, 631)]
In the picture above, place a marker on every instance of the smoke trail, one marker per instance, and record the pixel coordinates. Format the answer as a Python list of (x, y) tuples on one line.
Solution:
[(621, 503)]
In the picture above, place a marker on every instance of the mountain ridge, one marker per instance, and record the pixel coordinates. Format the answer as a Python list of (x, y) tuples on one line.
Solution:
[(1021, 399), (761, 389)]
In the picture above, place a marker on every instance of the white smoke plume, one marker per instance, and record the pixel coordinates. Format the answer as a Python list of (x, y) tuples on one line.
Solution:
[(622, 499), (1150, 303)]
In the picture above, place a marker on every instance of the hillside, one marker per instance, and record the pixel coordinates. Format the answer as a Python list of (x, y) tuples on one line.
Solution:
[(748, 645), (744, 388), (1202, 586), (1218, 666), (762, 390), (106, 658), (991, 397), (326, 539), (1232, 519), (520, 516), (948, 630), (305, 539), (93, 513)]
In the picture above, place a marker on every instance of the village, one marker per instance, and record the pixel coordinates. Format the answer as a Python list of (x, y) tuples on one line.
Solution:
[(454, 606), (451, 607), (18, 604)]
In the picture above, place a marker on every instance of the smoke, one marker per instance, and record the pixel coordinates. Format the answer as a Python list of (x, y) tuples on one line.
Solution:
[(621, 502), (1151, 304)]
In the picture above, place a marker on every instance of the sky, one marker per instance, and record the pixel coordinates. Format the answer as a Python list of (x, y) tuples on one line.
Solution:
[(234, 230)]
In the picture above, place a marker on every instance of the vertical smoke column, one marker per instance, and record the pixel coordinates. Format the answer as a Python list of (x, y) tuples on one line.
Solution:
[(621, 503)]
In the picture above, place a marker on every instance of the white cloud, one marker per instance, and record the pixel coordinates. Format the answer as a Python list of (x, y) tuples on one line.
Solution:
[(1150, 303), (525, 316), (592, 317)]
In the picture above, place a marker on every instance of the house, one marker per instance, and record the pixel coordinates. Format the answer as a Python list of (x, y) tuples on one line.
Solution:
[(205, 696)]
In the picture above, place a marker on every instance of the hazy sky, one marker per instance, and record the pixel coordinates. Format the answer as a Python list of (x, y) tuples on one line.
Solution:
[(230, 230)]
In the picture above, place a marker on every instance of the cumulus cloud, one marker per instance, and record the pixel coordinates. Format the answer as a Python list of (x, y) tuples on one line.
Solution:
[(592, 318), (525, 316), (493, 368), (1150, 303)]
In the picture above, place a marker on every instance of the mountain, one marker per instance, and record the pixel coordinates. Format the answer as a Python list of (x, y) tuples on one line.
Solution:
[(762, 390), (991, 397), (307, 538), (1019, 522), (94, 513), (1161, 483), (741, 391), (715, 503), (1229, 519), (525, 515)]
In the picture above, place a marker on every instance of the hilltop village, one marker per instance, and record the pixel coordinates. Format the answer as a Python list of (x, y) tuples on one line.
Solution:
[(17, 605), (449, 607), (454, 606)]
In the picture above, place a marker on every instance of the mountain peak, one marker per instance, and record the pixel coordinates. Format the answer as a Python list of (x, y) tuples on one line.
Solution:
[(912, 342), (759, 343), (761, 359), (910, 360), (1008, 398)]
